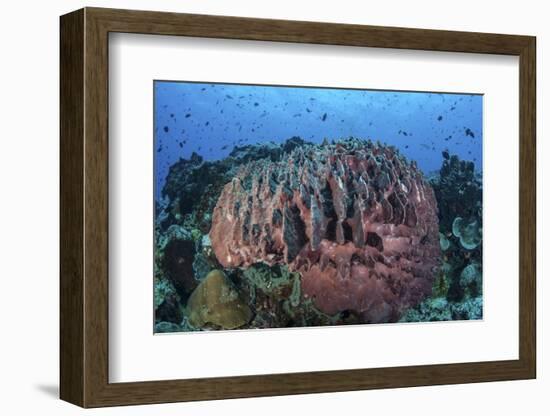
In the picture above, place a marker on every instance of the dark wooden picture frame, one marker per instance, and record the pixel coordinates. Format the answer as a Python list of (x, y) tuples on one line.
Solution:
[(84, 207)]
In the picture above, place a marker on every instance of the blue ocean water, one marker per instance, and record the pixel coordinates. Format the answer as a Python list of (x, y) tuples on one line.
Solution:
[(211, 119)]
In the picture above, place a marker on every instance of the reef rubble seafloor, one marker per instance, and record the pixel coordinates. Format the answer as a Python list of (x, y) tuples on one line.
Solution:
[(301, 234)]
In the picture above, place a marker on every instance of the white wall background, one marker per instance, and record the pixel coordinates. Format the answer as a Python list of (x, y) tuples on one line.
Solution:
[(29, 207)]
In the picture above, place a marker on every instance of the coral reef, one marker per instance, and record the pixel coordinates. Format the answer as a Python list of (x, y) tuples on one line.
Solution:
[(216, 302), (167, 327), (471, 280), (193, 185), (177, 250), (355, 219), (169, 310), (188, 179), (459, 196), (334, 236), (440, 309), (162, 290), (183, 251), (431, 309), (458, 191), (205, 260), (469, 233), (275, 296), (444, 242), (470, 308)]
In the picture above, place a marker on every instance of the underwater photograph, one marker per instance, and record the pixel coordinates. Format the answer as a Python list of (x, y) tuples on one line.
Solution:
[(293, 206)]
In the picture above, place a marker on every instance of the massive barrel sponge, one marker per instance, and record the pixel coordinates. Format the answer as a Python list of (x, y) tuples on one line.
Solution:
[(355, 218)]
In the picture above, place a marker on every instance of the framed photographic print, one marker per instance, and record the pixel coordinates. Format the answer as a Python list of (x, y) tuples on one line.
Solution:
[(256, 207)]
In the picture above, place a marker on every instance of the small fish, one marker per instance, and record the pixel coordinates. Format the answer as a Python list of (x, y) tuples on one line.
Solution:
[(324, 117), (188, 115), (308, 110), (166, 129), (469, 132), (172, 115), (445, 154), (229, 96), (207, 123), (256, 104), (439, 118)]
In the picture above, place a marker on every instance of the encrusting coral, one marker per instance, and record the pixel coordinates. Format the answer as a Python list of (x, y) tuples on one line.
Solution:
[(356, 219), (216, 302)]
